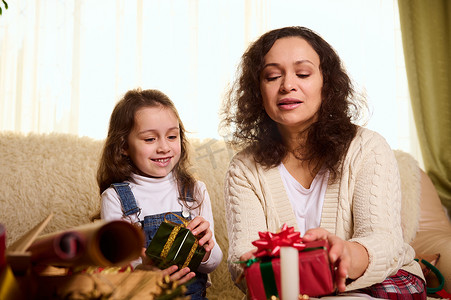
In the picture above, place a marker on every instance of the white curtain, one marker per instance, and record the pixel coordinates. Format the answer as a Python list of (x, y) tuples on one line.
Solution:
[(65, 63)]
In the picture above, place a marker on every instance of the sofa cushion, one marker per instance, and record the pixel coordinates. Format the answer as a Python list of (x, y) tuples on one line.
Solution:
[(410, 187)]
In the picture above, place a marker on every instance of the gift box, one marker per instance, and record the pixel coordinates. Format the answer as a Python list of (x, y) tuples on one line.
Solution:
[(316, 276), (174, 244)]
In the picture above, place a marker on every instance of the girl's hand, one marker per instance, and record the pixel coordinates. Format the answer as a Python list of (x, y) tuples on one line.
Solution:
[(349, 258), (181, 276), (201, 229)]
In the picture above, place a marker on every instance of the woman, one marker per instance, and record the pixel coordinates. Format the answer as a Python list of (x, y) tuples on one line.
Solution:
[(303, 162)]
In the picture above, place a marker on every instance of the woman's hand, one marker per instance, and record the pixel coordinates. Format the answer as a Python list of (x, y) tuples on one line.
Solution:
[(201, 229), (350, 259), (181, 276), (248, 255), (243, 258)]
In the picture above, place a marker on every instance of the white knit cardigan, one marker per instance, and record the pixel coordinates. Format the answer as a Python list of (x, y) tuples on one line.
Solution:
[(363, 206)]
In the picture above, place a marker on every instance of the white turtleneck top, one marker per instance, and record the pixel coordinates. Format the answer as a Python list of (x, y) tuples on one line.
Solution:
[(160, 195)]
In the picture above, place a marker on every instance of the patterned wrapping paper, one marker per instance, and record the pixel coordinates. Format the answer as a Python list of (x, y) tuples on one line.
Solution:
[(173, 244)]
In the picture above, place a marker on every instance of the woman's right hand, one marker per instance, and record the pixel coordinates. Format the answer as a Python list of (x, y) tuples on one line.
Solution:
[(350, 258)]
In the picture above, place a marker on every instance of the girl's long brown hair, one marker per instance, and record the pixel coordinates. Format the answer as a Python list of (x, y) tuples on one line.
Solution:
[(115, 167), (252, 129)]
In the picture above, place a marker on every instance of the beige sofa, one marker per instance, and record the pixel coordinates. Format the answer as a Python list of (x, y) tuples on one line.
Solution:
[(43, 173)]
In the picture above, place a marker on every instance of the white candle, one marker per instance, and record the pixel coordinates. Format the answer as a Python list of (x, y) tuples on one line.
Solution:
[(289, 273)]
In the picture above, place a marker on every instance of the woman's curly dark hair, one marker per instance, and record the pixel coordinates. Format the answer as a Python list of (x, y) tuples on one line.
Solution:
[(252, 129)]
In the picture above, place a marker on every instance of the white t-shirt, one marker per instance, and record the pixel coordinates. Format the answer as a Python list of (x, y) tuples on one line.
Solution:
[(160, 195), (307, 203)]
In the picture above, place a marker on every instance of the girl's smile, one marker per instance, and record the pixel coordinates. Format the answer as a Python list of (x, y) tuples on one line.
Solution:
[(162, 162)]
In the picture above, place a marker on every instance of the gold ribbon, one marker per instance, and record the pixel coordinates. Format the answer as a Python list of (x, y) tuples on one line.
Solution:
[(185, 222), (170, 241), (191, 253)]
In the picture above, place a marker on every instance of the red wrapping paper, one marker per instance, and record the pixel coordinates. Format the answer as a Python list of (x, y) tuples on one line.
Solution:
[(315, 273), (262, 274)]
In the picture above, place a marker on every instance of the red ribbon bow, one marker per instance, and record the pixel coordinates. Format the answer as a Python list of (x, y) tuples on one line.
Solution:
[(270, 243)]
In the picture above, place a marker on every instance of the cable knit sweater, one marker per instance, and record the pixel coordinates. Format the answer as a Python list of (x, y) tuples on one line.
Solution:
[(363, 205)]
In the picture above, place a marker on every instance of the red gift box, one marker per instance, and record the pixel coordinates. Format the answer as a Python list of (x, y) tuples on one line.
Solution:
[(316, 277)]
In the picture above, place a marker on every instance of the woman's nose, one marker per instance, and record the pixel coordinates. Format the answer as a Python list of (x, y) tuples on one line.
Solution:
[(288, 84)]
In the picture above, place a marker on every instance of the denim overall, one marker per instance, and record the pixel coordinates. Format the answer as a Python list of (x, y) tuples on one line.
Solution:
[(196, 289)]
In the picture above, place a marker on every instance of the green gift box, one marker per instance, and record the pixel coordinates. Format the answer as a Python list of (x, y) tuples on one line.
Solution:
[(173, 244)]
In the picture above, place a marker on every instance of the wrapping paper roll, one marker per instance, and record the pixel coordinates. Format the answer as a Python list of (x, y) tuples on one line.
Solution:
[(113, 243)]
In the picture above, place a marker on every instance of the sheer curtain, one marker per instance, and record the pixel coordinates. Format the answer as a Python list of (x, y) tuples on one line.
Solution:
[(64, 64), (429, 70)]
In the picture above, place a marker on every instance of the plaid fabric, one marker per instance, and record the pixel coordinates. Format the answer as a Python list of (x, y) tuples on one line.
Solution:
[(402, 286)]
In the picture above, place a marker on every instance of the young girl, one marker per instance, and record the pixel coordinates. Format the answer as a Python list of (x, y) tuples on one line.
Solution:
[(143, 174)]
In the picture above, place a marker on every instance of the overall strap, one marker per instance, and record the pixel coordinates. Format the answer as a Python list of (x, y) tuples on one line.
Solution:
[(127, 198)]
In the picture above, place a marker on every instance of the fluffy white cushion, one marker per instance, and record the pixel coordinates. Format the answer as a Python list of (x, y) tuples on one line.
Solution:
[(40, 174)]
